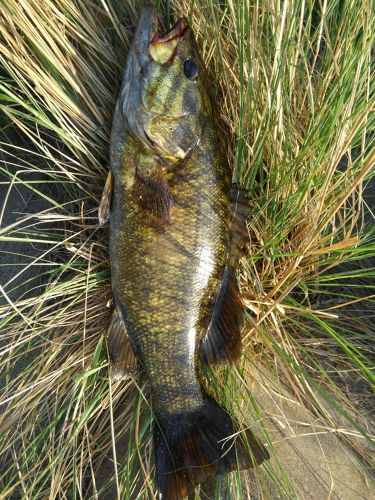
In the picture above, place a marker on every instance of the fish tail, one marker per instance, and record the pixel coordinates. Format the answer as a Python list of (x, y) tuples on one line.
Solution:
[(192, 447)]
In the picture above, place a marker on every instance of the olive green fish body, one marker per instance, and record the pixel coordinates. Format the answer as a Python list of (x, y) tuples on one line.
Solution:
[(169, 245)]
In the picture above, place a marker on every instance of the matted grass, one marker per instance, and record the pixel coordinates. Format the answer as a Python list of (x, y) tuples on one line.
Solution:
[(295, 90)]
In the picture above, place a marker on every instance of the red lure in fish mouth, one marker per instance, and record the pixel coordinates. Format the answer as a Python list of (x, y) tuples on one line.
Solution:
[(177, 32), (163, 48)]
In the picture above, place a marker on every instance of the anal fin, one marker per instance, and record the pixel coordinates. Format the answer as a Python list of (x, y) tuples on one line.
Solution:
[(222, 342), (123, 361)]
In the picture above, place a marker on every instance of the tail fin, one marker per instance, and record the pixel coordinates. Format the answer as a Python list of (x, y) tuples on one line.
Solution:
[(193, 447)]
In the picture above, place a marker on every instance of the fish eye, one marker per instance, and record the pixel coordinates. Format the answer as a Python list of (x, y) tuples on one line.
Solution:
[(191, 69)]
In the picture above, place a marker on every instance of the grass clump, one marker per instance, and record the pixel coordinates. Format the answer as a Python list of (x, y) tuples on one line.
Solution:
[(295, 87)]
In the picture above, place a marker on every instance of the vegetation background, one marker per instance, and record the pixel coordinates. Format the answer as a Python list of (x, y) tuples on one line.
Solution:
[(294, 86)]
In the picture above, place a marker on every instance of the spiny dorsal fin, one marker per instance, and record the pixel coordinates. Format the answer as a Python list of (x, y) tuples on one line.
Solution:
[(238, 230), (152, 191), (222, 342), (123, 361)]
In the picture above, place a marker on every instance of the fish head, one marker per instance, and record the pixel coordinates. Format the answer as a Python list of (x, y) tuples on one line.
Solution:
[(163, 94)]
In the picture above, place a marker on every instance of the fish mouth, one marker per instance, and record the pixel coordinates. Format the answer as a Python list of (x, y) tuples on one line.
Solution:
[(149, 43)]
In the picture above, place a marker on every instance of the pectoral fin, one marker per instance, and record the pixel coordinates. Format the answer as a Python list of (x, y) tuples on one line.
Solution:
[(152, 191), (105, 202), (222, 343), (123, 361)]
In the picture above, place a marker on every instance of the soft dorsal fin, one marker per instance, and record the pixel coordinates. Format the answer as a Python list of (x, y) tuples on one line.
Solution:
[(122, 359), (222, 342)]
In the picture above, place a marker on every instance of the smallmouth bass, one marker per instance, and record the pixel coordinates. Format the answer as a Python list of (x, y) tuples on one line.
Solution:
[(175, 293)]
